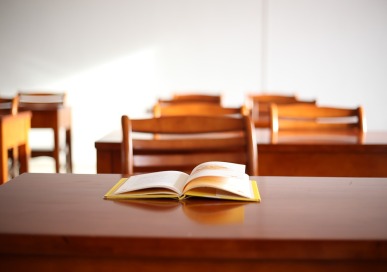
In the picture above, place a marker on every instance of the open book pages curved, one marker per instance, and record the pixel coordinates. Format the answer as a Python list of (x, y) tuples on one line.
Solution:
[(220, 180), (172, 180)]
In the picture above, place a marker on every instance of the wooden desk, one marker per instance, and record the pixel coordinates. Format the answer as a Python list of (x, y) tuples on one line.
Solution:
[(14, 130), (56, 118), (300, 155), (61, 222)]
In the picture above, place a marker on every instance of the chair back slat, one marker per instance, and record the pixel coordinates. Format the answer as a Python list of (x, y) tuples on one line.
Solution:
[(196, 108), (182, 142), (301, 117)]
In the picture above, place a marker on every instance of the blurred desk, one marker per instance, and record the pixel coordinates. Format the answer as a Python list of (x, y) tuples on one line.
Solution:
[(14, 131), (293, 155), (52, 222), (55, 117)]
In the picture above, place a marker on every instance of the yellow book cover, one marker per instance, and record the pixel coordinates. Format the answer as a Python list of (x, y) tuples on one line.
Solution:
[(220, 180)]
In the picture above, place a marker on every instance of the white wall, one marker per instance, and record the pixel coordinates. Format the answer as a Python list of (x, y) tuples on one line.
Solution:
[(118, 56), (332, 50)]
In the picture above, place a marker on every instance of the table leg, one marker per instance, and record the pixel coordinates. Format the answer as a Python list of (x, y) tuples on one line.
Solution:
[(3, 164), (24, 155), (69, 163), (15, 161), (57, 149)]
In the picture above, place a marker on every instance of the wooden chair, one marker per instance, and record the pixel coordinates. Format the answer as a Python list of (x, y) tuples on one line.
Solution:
[(49, 110), (9, 105), (191, 98), (197, 97), (185, 141), (306, 118), (259, 105), (196, 108), (14, 139), (188, 98)]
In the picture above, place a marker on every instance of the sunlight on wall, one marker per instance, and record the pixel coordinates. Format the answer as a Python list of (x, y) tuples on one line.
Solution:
[(100, 95)]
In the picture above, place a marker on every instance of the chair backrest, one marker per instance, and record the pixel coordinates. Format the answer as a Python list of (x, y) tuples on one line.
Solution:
[(41, 99), (313, 118), (9, 105), (196, 108), (197, 97), (259, 105), (182, 142), (191, 98)]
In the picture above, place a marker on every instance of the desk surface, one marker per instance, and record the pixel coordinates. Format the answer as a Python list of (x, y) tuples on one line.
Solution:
[(297, 154), (308, 222)]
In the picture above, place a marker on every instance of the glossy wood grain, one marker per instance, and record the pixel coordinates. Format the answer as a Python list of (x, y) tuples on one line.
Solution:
[(61, 222), (295, 154)]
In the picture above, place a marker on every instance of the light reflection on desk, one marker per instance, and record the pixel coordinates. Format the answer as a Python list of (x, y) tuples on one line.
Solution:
[(206, 212)]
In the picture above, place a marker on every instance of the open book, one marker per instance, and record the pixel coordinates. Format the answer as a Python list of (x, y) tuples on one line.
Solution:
[(221, 180)]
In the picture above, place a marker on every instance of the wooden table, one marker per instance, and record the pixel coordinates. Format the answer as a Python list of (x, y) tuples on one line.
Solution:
[(60, 222), (55, 117), (296, 155), (14, 131)]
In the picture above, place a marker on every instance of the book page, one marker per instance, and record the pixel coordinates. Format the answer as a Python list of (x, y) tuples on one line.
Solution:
[(236, 186), (218, 165), (230, 177), (172, 180), (218, 169)]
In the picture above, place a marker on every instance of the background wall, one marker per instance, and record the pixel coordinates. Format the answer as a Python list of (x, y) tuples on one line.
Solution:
[(116, 57), (333, 50)]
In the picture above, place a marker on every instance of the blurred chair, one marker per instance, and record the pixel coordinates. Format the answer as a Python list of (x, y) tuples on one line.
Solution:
[(49, 110), (196, 108), (306, 118), (183, 142), (188, 98), (197, 97), (259, 105), (14, 139), (9, 105)]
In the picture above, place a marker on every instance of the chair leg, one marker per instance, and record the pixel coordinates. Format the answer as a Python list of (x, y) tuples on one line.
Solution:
[(57, 150), (3, 164), (15, 161), (69, 162), (23, 158)]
